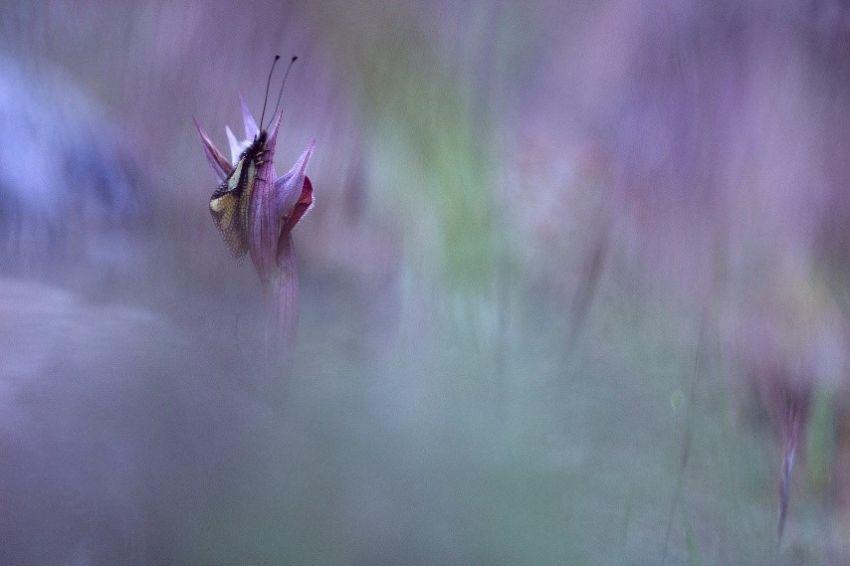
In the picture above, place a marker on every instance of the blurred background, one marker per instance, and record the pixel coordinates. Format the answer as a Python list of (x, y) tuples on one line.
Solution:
[(574, 290)]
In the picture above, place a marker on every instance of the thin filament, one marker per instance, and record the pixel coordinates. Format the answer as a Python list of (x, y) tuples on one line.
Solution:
[(268, 83), (282, 84)]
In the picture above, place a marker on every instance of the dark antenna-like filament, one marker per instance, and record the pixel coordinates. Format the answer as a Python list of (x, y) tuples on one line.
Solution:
[(268, 84), (283, 84)]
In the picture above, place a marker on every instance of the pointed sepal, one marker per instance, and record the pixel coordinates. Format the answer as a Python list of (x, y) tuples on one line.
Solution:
[(220, 166), (251, 129), (236, 147), (289, 187)]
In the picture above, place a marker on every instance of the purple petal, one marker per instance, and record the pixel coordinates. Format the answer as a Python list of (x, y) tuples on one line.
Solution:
[(302, 207), (273, 128), (288, 188), (264, 226), (235, 146), (251, 129), (220, 166)]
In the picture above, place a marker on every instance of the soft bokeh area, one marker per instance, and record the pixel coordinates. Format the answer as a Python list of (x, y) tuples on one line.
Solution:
[(575, 288)]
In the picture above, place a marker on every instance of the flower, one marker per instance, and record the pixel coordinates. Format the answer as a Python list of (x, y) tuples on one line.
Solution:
[(274, 206)]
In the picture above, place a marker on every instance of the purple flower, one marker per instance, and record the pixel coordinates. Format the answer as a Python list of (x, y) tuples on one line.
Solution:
[(256, 211)]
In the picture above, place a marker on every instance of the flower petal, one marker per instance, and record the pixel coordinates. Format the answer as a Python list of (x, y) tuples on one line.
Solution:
[(220, 166), (235, 146), (251, 129), (272, 130), (288, 188), (302, 207), (264, 224)]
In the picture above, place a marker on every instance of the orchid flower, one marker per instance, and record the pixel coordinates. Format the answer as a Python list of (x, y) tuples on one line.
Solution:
[(276, 205)]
